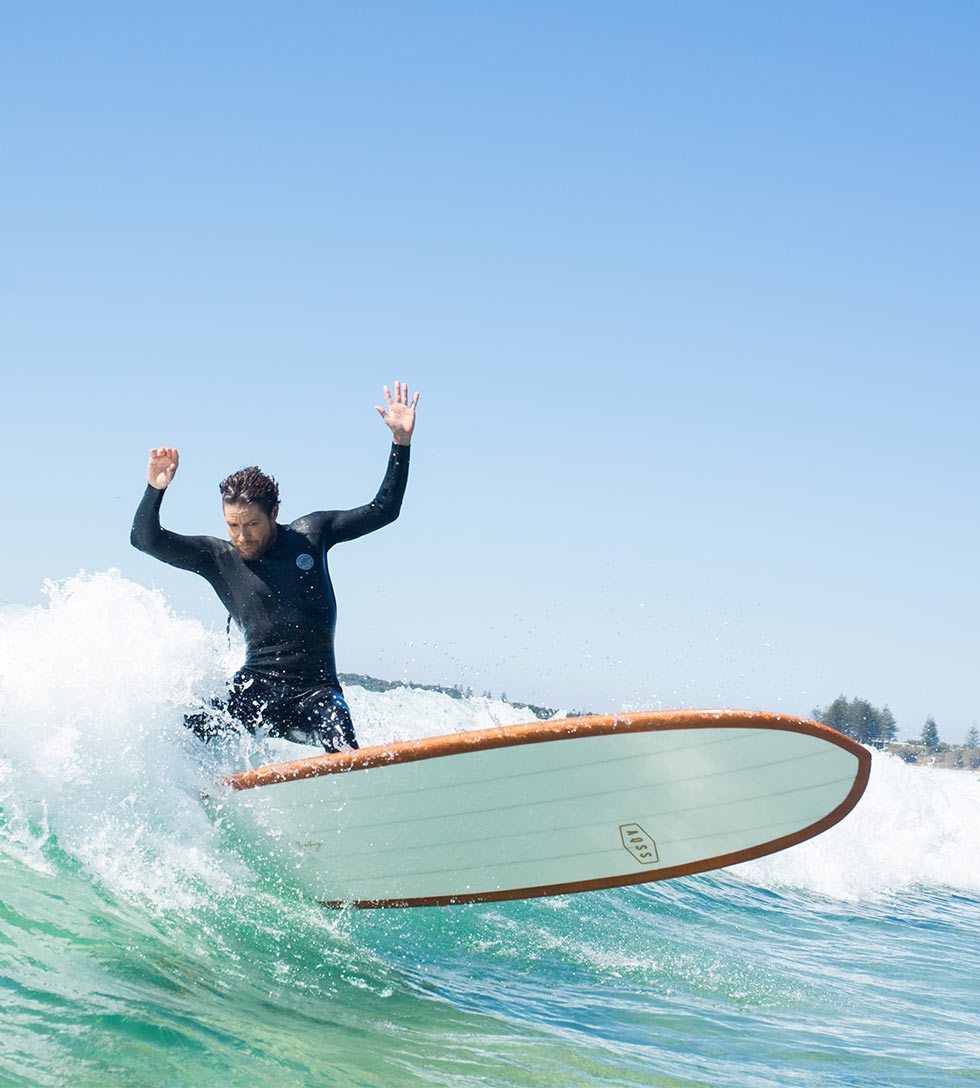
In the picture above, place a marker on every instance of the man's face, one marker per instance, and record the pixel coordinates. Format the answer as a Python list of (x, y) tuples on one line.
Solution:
[(250, 529)]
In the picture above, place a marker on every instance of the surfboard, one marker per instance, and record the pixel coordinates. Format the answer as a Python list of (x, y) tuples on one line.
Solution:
[(548, 808)]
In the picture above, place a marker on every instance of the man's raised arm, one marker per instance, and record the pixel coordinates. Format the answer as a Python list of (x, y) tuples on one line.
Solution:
[(188, 552), (399, 416)]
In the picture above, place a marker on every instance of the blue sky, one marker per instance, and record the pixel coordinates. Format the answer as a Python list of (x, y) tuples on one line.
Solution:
[(689, 292)]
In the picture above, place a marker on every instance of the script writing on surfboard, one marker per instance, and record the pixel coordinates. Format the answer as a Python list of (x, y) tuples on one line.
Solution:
[(548, 808)]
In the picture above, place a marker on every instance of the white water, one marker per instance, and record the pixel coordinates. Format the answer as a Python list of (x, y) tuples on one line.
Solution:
[(914, 827), (94, 686)]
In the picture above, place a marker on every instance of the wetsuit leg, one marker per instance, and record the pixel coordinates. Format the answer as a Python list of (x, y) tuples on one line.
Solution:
[(317, 715), (320, 716), (248, 698)]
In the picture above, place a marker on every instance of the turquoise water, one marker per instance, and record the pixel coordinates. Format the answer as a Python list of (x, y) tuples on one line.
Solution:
[(138, 948)]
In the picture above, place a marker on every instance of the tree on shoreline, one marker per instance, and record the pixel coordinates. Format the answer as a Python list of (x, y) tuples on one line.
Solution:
[(930, 735), (857, 718)]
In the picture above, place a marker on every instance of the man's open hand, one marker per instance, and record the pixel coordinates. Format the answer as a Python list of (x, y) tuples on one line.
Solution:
[(400, 415), (163, 464)]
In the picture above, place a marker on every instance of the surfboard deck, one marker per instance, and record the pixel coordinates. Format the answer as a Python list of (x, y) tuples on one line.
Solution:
[(548, 808)]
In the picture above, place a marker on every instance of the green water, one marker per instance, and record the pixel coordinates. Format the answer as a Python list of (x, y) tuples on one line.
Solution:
[(705, 982)]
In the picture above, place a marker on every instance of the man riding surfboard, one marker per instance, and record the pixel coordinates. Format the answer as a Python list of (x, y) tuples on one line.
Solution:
[(274, 581)]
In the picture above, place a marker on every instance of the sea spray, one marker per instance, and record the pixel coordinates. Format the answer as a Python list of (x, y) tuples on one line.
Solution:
[(93, 688), (914, 827), (138, 947)]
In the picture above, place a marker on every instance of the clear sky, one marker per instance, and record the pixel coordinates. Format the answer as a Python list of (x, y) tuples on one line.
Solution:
[(689, 290)]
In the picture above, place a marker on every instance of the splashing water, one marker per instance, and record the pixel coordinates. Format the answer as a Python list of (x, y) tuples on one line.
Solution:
[(137, 947)]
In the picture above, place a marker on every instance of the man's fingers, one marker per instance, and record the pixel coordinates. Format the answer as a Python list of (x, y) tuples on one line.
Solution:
[(165, 453), (401, 396)]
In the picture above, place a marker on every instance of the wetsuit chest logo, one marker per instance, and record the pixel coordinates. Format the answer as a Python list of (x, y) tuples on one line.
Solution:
[(304, 561)]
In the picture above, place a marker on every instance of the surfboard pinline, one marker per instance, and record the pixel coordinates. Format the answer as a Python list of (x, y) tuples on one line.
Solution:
[(547, 808)]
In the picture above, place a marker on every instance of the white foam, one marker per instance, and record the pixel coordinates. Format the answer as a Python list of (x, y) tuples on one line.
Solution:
[(411, 713), (93, 687), (915, 826), (25, 831)]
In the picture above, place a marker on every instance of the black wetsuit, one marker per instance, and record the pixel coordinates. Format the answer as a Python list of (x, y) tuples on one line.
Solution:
[(284, 604)]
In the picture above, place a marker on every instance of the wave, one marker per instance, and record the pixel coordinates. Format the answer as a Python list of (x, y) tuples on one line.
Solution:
[(95, 761), (915, 827)]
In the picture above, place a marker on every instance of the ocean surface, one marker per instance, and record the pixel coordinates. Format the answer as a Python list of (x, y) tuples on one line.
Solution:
[(139, 948)]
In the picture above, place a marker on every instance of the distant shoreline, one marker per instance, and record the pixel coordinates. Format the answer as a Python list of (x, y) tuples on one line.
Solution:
[(372, 683), (954, 757)]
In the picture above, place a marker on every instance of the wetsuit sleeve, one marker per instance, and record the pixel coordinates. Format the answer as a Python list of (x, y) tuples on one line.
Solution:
[(193, 553), (339, 525)]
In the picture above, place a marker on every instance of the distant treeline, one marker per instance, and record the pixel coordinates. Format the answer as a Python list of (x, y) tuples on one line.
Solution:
[(859, 719), (876, 726)]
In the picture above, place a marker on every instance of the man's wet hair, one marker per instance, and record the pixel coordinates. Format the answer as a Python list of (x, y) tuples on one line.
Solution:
[(250, 485)]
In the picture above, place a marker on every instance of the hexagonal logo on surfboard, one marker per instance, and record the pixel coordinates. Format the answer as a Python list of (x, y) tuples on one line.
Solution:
[(639, 843)]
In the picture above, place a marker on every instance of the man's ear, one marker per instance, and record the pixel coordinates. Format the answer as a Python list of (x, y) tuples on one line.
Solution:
[(275, 512)]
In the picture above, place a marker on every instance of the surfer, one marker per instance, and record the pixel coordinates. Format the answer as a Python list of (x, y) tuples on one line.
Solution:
[(274, 582)]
